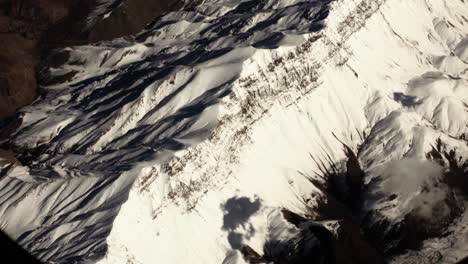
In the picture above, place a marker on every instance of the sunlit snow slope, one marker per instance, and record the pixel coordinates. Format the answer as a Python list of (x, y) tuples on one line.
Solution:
[(183, 146)]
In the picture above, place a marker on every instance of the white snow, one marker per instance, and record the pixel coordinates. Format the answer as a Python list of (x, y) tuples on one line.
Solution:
[(143, 147)]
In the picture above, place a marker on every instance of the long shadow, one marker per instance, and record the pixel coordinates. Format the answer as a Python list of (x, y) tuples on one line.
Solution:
[(11, 251), (237, 211)]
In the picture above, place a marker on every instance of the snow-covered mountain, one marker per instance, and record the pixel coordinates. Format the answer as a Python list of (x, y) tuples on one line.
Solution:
[(275, 131)]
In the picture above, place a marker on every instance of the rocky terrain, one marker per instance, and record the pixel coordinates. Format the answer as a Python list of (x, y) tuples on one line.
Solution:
[(275, 131), (30, 29)]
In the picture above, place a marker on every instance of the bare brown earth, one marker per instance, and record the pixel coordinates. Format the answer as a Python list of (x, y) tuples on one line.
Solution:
[(29, 29), (6, 157)]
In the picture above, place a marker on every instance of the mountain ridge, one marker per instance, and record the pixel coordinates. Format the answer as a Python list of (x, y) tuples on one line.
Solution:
[(278, 109)]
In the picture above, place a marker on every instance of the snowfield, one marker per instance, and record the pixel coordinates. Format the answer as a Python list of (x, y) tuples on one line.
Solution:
[(188, 143)]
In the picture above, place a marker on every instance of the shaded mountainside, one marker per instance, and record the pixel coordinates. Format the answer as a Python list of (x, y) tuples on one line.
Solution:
[(31, 28), (273, 131)]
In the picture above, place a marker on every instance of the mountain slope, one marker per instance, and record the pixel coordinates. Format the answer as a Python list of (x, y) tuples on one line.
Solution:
[(219, 116)]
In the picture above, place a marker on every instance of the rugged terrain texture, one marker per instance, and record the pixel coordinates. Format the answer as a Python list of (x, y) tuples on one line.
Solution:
[(31, 28), (252, 132)]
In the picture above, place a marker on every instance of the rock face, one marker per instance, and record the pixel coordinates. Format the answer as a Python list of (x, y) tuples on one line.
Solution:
[(18, 56), (251, 132)]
